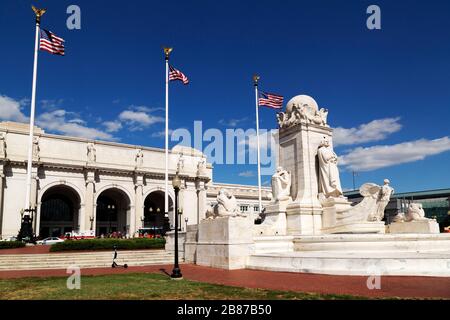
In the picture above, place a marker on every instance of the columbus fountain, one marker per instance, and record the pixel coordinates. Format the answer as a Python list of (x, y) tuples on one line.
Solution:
[(310, 226)]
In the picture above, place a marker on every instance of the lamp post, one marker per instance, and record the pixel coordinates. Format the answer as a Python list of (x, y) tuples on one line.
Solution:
[(91, 219), (176, 272), (110, 212), (186, 219), (158, 211), (26, 228)]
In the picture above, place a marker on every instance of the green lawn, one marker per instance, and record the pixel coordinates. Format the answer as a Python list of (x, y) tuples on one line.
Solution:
[(139, 286)]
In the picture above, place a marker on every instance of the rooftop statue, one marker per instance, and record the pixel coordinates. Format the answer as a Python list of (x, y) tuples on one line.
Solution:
[(139, 158), (91, 152)]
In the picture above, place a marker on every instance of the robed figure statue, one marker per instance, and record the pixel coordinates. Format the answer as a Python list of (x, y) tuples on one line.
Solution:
[(329, 182)]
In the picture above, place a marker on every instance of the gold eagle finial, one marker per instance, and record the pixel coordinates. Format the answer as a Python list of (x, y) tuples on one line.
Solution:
[(167, 51), (39, 13), (256, 79)]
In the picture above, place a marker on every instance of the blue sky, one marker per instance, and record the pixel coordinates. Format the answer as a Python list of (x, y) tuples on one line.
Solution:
[(387, 90)]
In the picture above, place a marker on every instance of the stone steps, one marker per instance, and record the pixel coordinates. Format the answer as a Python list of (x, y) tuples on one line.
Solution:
[(83, 259), (360, 263)]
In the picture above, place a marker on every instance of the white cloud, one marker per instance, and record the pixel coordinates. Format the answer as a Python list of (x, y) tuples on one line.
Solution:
[(247, 174), (267, 140), (232, 122), (51, 104), (138, 120), (381, 156), (78, 121), (375, 130), (11, 110), (56, 121), (161, 134), (112, 126)]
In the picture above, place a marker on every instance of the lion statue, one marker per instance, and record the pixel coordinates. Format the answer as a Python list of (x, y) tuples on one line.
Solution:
[(226, 206), (415, 212)]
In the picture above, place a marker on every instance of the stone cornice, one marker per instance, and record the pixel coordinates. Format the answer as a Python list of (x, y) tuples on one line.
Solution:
[(306, 127)]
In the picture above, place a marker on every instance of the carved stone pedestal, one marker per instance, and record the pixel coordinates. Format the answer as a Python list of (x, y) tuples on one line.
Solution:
[(298, 155), (356, 227), (331, 208), (418, 226), (275, 221), (224, 242), (306, 220)]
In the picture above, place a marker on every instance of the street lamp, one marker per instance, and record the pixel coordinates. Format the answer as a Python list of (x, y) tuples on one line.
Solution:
[(176, 272), (110, 212), (186, 219), (91, 219)]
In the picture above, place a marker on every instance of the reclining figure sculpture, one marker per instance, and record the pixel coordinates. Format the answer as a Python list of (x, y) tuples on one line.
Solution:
[(226, 206)]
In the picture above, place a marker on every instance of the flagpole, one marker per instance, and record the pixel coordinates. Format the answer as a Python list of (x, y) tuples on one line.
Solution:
[(166, 178), (255, 82), (38, 13)]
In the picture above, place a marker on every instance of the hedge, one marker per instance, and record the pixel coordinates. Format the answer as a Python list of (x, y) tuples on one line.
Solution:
[(108, 244), (11, 244)]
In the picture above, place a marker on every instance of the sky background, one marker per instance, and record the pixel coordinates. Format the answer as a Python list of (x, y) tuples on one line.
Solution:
[(387, 90)]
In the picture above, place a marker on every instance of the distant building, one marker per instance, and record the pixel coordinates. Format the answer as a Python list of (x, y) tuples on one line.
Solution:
[(85, 185)]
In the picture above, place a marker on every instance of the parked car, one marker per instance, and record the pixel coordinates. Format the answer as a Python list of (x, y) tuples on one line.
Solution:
[(50, 240)]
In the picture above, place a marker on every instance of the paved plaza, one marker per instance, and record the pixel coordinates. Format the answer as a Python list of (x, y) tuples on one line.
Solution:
[(391, 286)]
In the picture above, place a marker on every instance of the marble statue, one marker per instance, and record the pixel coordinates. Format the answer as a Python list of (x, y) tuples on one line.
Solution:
[(371, 208), (281, 185), (319, 117), (329, 182), (180, 164), (139, 158), (36, 147), (415, 212), (384, 195), (226, 206), (201, 167), (302, 109), (91, 152), (2, 146)]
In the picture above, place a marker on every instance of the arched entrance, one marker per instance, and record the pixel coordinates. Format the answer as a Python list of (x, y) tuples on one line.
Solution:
[(154, 211), (113, 213), (59, 212)]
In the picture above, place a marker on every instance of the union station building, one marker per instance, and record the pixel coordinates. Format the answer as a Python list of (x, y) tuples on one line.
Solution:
[(85, 185)]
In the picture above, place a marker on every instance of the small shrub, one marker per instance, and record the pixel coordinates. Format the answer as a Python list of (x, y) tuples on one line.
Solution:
[(108, 244), (11, 244)]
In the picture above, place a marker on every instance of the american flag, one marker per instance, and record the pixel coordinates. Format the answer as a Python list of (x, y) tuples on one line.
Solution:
[(51, 43), (175, 74), (270, 100)]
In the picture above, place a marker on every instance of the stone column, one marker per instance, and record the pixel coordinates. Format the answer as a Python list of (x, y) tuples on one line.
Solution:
[(2, 176), (89, 206), (34, 186), (298, 155), (138, 212), (33, 199), (201, 200)]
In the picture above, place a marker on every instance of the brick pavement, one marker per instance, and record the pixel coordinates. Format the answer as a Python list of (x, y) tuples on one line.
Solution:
[(391, 286)]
